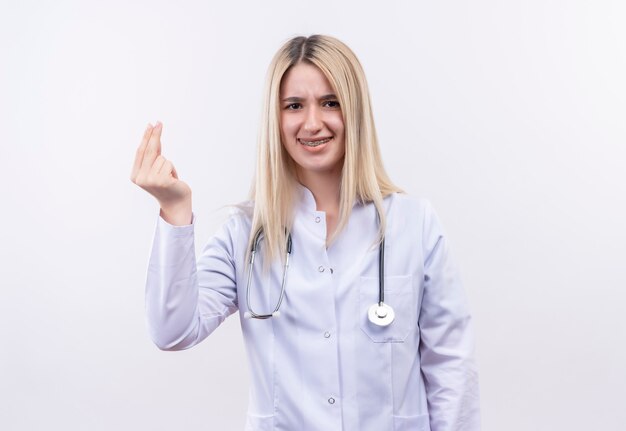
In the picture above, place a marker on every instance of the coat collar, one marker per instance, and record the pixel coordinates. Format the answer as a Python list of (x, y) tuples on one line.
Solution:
[(305, 198)]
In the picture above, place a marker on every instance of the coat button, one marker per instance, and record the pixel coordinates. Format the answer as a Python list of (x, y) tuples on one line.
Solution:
[(331, 400), (320, 269), (317, 219), (326, 334)]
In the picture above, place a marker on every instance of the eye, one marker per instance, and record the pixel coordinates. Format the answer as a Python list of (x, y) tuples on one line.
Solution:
[(293, 106), (333, 104)]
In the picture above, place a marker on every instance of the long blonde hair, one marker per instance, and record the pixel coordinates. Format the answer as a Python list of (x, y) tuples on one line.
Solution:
[(363, 176)]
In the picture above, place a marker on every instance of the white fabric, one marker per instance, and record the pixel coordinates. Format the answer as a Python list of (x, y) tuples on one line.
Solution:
[(322, 365)]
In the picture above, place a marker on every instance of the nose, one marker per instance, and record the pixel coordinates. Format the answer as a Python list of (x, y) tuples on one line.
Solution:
[(313, 120)]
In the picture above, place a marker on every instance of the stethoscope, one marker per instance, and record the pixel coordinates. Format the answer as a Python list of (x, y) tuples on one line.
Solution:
[(379, 313)]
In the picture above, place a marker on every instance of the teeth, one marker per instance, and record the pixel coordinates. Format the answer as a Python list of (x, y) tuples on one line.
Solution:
[(314, 143)]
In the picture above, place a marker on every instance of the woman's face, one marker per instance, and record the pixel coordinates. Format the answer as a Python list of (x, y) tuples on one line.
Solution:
[(311, 123)]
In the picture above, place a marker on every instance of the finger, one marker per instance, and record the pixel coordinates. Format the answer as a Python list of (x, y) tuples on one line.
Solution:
[(140, 151), (158, 165), (153, 149), (166, 168)]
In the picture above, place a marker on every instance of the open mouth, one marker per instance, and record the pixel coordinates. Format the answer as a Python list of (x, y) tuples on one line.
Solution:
[(314, 144)]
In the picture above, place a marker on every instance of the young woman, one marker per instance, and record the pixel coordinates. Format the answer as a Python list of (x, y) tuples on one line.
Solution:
[(352, 311)]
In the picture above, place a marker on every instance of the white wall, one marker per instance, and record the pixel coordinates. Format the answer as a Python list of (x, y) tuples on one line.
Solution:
[(509, 116)]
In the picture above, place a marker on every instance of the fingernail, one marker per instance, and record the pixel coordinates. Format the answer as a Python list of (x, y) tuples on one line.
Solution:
[(148, 126)]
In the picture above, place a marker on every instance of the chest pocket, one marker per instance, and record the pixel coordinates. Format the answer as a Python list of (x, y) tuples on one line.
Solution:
[(401, 295)]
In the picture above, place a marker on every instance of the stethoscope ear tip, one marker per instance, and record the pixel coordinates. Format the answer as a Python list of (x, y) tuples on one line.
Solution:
[(247, 315), (276, 314)]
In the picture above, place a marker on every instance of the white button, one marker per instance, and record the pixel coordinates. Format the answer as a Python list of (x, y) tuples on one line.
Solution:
[(320, 269), (327, 334), (317, 219), (331, 400)]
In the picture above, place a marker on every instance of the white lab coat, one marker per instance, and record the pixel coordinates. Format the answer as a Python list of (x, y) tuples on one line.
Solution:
[(322, 365)]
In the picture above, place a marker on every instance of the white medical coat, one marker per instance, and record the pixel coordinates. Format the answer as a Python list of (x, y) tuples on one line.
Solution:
[(322, 365)]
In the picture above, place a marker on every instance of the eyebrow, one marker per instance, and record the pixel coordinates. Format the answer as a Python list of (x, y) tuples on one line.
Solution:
[(294, 99)]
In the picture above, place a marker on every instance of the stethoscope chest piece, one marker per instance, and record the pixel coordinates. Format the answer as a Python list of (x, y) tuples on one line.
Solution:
[(381, 314)]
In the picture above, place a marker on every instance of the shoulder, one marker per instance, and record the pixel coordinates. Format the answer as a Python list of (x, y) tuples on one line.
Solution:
[(239, 217), (241, 210), (414, 217), (234, 225), (234, 221), (400, 204)]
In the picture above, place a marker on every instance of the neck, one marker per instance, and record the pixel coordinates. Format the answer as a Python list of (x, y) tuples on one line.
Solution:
[(325, 187)]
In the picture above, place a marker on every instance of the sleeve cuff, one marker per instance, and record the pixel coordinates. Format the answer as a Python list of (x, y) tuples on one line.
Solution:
[(174, 230)]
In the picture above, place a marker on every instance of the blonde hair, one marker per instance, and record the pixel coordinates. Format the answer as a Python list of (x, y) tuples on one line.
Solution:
[(363, 176)]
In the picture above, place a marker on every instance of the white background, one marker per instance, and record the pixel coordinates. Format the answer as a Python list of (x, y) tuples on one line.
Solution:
[(508, 115)]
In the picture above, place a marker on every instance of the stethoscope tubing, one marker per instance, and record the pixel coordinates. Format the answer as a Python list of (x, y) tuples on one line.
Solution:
[(380, 313), (381, 272), (255, 246)]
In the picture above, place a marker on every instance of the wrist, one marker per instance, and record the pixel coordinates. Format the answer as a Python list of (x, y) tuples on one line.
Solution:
[(177, 214)]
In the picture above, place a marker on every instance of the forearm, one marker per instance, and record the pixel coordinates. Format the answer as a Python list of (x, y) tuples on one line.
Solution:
[(171, 288), (186, 299)]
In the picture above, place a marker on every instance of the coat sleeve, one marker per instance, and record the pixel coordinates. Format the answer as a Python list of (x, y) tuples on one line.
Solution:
[(187, 299), (447, 341)]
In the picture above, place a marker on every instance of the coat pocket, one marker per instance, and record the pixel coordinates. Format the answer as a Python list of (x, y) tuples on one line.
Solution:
[(400, 294), (259, 423), (411, 423)]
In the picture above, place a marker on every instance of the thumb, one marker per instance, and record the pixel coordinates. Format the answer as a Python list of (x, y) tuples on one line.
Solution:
[(174, 173)]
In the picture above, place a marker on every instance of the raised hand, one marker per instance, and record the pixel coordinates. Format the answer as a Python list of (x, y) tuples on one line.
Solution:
[(157, 175)]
